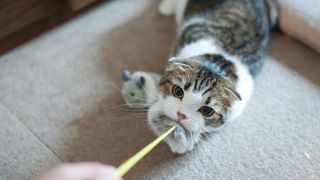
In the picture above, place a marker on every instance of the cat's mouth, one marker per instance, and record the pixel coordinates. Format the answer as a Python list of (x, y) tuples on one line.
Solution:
[(162, 123), (167, 121)]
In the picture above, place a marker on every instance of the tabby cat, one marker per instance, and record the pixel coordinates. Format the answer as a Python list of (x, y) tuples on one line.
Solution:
[(219, 49)]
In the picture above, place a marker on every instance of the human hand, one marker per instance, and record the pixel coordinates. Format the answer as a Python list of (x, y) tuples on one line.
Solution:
[(80, 171)]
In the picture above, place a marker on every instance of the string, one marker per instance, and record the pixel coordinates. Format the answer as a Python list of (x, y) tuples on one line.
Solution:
[(132, 161)]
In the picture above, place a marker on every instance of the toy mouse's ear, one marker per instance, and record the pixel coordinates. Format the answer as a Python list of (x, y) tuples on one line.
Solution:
[(141, 82), (126, 75)]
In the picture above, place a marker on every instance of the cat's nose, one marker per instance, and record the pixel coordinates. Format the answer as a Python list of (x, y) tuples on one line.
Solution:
[(181, 116)]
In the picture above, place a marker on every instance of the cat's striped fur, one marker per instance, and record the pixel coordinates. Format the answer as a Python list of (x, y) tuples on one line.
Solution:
[(239, 27), (219, 48)]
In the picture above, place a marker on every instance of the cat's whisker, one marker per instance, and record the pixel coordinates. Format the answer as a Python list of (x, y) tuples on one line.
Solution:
[(114, 85), (139, 109), (128, 107), (203, 143), (134, 110), (117, 106), (134, 115), (120, 120), (125, 118), (193, 137), (147, 92), (129, 113), (204, 133), (204, 147)]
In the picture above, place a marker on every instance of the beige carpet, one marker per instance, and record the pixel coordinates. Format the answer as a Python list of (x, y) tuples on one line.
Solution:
[(59, 102)]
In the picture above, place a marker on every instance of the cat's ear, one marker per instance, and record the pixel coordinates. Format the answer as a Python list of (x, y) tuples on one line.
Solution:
[(233, 93), (176, 63), (173, 59)]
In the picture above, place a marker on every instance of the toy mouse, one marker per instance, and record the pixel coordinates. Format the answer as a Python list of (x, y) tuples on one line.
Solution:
[(139, 89)]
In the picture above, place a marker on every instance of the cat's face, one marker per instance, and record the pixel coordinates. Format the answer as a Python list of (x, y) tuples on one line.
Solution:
[(193, 98)]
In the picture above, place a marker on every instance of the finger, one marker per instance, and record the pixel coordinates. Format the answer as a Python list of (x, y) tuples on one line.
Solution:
[(81, 171)]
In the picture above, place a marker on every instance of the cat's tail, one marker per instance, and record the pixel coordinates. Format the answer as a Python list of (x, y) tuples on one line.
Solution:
[(273, 11)]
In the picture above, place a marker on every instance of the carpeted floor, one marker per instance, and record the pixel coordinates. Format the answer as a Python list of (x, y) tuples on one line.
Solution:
[(60, 102)]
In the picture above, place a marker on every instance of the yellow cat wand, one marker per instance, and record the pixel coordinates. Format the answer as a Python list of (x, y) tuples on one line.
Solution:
[(128, 164)]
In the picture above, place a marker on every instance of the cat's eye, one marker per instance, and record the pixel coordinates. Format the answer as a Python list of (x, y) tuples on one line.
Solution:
[(206, 111), (177, 92)]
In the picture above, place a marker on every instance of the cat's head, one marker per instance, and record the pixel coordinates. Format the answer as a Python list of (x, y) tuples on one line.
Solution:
[(192, 96)]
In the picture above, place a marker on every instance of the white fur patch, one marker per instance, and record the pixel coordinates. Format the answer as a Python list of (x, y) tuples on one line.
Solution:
[(244, 86), (200, 47)]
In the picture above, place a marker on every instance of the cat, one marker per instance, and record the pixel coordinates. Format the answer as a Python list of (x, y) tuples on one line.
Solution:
[(219, 49)]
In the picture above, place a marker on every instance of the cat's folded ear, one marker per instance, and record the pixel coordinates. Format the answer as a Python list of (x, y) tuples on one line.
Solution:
[(173, 59), (232, 93), (176, 64)]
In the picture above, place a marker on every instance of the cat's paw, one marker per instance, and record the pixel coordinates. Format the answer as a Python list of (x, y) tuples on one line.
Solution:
[(167, 7), (180, 148)]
